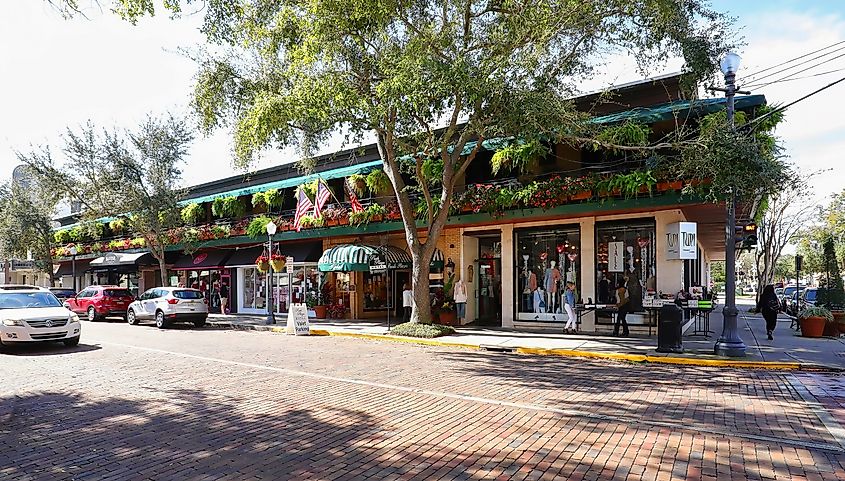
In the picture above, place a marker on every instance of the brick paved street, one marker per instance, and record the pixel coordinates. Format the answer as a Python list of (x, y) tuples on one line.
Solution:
[(138, 403)]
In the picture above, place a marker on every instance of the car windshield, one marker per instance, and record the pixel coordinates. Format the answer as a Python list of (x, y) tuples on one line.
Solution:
[(788, 291), (22, 300), (116, 293), (187, 294)]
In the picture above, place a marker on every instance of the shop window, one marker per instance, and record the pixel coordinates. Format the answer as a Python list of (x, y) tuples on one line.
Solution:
[(375, 291), (625, 252), (546, 260)]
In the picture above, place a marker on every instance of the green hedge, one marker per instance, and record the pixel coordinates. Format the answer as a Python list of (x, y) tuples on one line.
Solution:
[(427, 331)]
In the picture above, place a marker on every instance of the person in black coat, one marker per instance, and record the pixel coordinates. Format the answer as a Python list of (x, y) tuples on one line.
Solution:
[(769, 306)]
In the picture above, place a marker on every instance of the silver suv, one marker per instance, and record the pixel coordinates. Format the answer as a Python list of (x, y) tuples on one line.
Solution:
[(166, 305), (35, 315)]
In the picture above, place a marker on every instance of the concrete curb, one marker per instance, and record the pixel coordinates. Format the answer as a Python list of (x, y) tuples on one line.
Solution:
[(634, 358)]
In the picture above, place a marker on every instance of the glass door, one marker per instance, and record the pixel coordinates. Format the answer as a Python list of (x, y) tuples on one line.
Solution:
[(489, 290)]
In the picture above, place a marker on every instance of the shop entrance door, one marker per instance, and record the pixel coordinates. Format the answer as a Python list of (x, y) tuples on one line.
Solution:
[(489, 290)]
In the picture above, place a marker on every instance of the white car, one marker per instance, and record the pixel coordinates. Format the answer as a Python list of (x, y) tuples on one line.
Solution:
[(35, 315), (166, 305)]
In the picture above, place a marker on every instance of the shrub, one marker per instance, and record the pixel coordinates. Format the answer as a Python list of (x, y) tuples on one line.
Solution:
[(411, 329), (816, 312)]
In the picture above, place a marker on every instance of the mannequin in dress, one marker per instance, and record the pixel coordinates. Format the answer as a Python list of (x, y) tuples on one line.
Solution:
[(550, 281)]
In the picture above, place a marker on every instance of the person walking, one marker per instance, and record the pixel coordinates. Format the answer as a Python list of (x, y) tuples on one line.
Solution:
[(769, 306), (569, 307), (622, 305), (407, 301)]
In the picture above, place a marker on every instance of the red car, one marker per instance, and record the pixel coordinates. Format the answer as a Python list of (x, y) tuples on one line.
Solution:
[(97, 302)]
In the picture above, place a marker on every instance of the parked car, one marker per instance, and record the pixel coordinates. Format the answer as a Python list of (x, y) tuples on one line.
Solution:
[(97, 302), (788, 293), (166, 305), (35, 315), (21, 287), (793, 303), (62, 293)]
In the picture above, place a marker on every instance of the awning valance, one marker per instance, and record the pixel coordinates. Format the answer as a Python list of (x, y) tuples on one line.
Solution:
[(202, 260), (437, 259), (348, 258)]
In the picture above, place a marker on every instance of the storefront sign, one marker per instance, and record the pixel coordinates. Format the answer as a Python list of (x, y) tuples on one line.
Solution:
[(681, 242), (111, 259), (298, 320), (289, 264), (615, 256)]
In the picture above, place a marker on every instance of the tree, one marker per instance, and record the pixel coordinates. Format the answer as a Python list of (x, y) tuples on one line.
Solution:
[(26, 212), (430, 80), (784, 215), (785, 267), (832, 295), (134, 174)]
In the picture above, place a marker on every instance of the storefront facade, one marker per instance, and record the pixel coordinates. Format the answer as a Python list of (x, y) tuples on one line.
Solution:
[(524, 267)]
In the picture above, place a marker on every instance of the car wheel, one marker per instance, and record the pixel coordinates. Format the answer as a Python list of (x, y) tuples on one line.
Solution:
[(71, 341), (130, 317), (92, 314), (161, 322), (199, 323), (4, 348)]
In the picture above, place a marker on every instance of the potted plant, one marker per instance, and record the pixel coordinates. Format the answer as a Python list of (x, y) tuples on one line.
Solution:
[(336, 311), (376, 212), (358, 184), (813, 321), (377, 182), (277, 262), (446, 313), (262, 263), (313, 303)]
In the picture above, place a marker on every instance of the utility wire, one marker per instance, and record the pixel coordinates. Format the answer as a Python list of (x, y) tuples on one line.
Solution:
[(784, 107), (753, 74), (753, 85), (746, 79), (801, 78)]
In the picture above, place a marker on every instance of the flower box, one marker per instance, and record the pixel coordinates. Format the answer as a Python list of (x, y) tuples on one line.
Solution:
[(666, 186), (584, 195), (332, 222), (377, 218)]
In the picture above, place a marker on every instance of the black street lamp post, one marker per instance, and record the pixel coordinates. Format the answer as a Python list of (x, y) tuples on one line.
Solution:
[(73, 252), (271, 316), (729, 343)]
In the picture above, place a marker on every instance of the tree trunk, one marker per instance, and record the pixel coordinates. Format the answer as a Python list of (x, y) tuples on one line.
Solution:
[(421, 313)]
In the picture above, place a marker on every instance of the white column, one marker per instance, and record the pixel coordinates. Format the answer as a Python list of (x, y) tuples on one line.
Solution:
[(508, 276), (469, 253), (670, 273), (587, 289)]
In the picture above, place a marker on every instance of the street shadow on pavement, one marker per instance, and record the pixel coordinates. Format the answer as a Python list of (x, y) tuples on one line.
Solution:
[(47, 349), (753, 402), (189, 434)]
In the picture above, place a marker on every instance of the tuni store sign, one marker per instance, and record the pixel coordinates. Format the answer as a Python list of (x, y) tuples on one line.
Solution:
[(681, 241)]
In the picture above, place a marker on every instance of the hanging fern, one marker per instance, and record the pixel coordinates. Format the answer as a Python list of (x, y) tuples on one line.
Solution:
[(358, 184), (192, 213), (378, 182), (257, 228), (519, 156), (224, 207)]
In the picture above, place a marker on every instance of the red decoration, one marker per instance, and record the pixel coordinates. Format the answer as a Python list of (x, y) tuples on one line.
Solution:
[(643, 241), (560, 248), (572, 256)]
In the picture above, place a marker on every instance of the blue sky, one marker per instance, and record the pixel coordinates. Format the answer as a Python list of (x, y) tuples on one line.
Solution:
[(60, 73)]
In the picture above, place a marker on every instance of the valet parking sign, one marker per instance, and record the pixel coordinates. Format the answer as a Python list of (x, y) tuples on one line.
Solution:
[(681, 241)]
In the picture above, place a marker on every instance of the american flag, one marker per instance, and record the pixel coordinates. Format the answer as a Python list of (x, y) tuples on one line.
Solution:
[(356, 206), (321, 198), (303, 205)]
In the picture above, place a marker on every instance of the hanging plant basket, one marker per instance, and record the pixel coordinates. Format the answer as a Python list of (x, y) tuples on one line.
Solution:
[(277, 262), (262, 263)]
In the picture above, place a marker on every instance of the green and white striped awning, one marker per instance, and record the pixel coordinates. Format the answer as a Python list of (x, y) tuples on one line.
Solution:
[(363, 258)]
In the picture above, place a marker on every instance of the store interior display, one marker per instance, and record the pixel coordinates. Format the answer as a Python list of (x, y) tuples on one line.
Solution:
[(549, 260), (625, 252)]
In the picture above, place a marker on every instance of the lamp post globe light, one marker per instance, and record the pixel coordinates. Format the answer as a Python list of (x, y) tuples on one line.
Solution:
[(271, 231), (729, 343), (73, 251)]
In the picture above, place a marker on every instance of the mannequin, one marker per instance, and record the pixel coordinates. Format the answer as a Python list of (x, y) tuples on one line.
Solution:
[(460, 296), (550, 280)]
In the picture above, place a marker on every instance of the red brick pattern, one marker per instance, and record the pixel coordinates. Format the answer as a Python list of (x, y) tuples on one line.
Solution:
[(246, 405)]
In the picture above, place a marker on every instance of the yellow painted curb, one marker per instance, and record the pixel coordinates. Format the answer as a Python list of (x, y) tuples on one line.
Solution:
[(639, 358), (661, 359)]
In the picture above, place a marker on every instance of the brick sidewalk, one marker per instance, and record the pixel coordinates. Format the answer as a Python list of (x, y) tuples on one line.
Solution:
[(139, 403)]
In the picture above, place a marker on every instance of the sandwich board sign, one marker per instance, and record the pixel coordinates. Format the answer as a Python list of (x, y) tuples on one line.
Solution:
[(298, 320)]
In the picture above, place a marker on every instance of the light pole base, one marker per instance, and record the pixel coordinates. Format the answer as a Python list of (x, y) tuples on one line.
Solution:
[(729, 349)]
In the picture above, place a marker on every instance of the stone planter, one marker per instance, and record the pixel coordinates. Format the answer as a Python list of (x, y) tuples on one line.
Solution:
[(813, 326), (448, 318)]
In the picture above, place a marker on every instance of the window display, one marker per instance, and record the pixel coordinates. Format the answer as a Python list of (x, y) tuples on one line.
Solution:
[(625, 251), (375, 291), (547, 260)]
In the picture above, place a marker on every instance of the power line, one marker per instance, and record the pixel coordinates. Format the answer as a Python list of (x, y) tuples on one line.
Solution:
[(784, 107), (795, 73), (800, 78), (746, 79), (790, 60)]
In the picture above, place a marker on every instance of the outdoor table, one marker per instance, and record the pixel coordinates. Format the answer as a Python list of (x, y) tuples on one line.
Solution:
[(701, 310)]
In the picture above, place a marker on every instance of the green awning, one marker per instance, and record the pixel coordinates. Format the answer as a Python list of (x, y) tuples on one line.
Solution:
[(680, 109), (349, 258), (288, 183)]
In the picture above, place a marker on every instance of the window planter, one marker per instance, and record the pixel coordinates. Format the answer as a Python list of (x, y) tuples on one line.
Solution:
[(581, 195), (670, 185)]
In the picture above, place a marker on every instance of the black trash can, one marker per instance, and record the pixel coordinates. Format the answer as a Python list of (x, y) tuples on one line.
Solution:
[(669, 329)]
